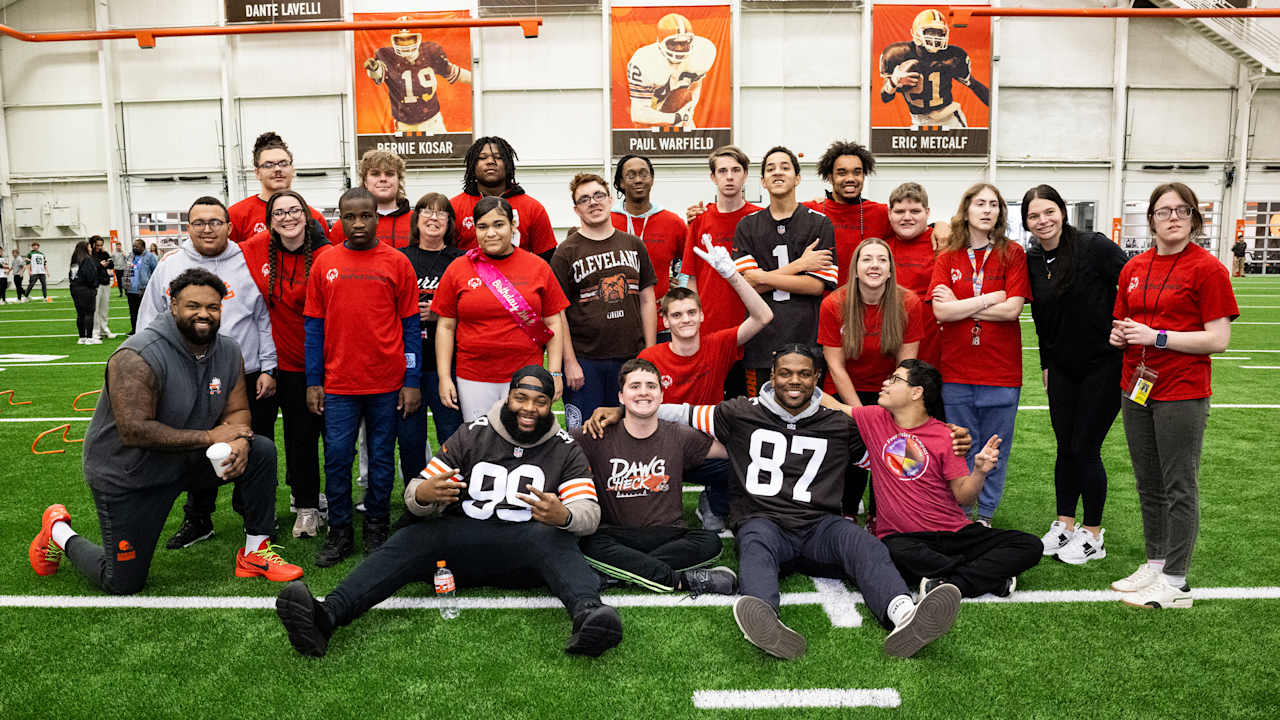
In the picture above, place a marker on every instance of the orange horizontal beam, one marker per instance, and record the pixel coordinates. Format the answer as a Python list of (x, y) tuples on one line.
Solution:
[(961, 15), (146, 37)]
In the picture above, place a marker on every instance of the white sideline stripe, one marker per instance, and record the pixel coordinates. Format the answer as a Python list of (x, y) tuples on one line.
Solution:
[(1242, 322), (1261, 367), (28, 337), (1237, 350), (1259, 307), (59, 318), (51, 364), (825, 697), (839, 606), (1229, 357), (544, 602)]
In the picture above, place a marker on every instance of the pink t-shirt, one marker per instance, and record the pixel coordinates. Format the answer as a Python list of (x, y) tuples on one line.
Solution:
[(911, 471)]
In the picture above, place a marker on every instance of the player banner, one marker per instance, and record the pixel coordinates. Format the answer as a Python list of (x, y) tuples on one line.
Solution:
[(413, 89), (671, 80), (933, 82), (252, 11)]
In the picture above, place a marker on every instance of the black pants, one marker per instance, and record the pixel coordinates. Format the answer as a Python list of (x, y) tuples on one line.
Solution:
[(85, 300), (131, 520), (135, 302), (31, 285), (713, 475), (17, 285), (975, 558), (262, 418), (651, 557), (1082, 411), (119, 281), (479, 552), (764, 548), (4, 288), (302, 432), (856, 479)]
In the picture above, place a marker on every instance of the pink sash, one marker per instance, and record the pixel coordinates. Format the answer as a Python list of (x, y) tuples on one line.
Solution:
[(510, 299)]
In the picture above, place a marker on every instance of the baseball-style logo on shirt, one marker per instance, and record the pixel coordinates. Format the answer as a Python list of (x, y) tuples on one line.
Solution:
[(637, 479), (331, 275), (905, 455)]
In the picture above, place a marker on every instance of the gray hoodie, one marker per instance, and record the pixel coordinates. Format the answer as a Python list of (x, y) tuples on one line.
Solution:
[(244, 312)]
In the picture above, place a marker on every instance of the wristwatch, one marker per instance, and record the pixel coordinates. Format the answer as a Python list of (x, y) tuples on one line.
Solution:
[(1162, 339), (270, 371)]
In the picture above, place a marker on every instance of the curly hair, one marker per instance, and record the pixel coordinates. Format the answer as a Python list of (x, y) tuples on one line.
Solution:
[(839, 148)]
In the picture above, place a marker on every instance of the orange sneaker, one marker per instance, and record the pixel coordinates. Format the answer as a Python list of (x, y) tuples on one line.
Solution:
[(43, 553), (266, 562)]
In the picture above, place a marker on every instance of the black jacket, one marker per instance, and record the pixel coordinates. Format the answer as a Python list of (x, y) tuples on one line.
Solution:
[(86, 274), (1074, 322)]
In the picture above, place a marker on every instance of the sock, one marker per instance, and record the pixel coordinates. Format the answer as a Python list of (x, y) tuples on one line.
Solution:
[(1175, 581), (61, 533), (900, 609), (254, 542), (1156, 564)]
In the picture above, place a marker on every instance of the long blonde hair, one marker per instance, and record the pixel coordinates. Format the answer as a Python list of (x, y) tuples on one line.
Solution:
[(893, 314), (960, 223)]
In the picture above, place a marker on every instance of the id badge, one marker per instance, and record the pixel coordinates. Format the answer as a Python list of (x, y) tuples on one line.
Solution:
[(1142, 383)]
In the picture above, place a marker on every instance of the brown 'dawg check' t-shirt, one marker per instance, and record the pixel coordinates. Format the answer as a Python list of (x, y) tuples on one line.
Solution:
[(639, 481), (603, 280)]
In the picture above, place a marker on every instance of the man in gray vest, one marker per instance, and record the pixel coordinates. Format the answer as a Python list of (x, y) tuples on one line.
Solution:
[(172, 391)]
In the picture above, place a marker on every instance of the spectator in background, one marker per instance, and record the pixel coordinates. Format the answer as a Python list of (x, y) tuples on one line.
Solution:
[(273, 165), (4, 278), (119, 261), (83, 280), (18, 266), (102, 301), (1238, 251), (491, 172), (382, 174), (138, 270), (155, 250), (662, 231), (37, 271), (494, 333), (979, 287)]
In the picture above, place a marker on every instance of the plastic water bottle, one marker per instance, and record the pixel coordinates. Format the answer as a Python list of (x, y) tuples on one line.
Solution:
[(445, 595)]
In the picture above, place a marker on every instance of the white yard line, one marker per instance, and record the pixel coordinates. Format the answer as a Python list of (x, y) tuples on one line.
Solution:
[(1260, 367), (816, 698)]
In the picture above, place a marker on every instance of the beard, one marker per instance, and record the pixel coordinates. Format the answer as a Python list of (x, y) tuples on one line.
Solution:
[(187, 327), (521, 436)]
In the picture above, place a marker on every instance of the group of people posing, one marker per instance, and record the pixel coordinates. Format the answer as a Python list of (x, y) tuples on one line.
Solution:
[(807, 363)]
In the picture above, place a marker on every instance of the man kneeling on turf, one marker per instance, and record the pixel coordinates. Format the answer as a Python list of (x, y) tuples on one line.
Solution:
[(172, 390), (506, 496), (639, 467), (921, 488)]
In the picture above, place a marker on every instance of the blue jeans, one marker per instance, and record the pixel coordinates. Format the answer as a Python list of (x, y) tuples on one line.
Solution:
[(986, 410), (599, 389), (342, 417), (447, 419)]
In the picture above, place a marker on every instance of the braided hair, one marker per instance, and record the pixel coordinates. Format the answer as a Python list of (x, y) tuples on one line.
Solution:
[(312, 237), (505, 151)]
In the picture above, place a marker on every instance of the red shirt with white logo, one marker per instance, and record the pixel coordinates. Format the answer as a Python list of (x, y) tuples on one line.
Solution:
[(853, 222), (249, 217), (286, 302), (533, 227), (362, 295), (490, 345), (664, 235), (914, 262), (1182, 293), (698, 378), (721, 307), (868, 370), (997, 359)]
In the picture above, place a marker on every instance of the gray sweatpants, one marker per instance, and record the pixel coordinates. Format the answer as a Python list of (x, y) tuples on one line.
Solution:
[(1165, 439)]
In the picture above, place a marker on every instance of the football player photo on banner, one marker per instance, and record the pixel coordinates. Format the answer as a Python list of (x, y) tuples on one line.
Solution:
[(413, 89), (671, 79), (933, 82)]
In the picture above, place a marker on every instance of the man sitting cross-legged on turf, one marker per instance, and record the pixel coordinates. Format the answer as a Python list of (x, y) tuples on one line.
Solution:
[(505, 500), (789, 455), (921, 490), (171, 391), (639, 465)]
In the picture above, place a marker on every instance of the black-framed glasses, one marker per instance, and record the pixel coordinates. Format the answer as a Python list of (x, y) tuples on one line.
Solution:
[(596, 197), (1182, 212), (897, 379), (280, 213), (214, 224)]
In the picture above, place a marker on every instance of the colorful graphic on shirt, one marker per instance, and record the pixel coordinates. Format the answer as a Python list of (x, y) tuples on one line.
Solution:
[(637, 479), (906, 456)]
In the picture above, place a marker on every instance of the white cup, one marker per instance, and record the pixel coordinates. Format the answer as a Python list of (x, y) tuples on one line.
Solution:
[(217, 453)]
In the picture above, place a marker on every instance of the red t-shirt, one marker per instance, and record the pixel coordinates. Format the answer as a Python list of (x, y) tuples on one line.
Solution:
[(853, 222), (914, 262), (533, 227), (393, 230), (721, 307), (698, 378), (663, 234), (1182, 293), (286, 303), (362, 295), (997, 360), (249, 217), (490, 345), (868, 370), (911, 473)]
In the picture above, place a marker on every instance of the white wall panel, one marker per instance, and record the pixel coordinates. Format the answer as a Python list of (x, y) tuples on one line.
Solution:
[(805, 120), (1179, 124), (548, 125), (1164, 53), (49, 72), (296, 64), (944, 184), (52, 140), (170, 195), (1265, 142), (172, 135), (803, 48), (311, 126), (1053, 124), (175, 68), (1058, 52), (566, 54)]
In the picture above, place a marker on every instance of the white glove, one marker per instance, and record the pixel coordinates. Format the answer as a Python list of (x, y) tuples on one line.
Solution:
[(905, 75), (717, 257), (375, 69)]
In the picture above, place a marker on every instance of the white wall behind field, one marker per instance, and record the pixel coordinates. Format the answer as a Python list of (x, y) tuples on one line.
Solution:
[(162, 126)]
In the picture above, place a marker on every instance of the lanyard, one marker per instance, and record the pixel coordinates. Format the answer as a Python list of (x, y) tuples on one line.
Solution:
[(631, 227), (978, 271), (1151, 311)]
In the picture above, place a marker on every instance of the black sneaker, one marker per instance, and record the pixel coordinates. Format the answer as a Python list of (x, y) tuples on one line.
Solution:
[(305, 619), (596, 628), (340, 543), (193, 530), (930, 619), (718, 580), (375, 533), (761, 627)]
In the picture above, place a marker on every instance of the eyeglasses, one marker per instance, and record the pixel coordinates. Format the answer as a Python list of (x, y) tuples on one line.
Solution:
[(293, 212), (272, 165), (597, 197), (896, 379), (1182, 211), (636, 175), (207, 224), (442, 214)]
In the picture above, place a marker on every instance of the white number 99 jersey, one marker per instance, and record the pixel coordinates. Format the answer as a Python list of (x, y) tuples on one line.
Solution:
[(651, 76)]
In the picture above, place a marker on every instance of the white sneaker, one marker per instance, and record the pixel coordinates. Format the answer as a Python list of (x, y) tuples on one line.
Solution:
[(308, 523), (81, 341), (1160, 595), (111, 335), (1084, 546), (92, 341), (1142, 577), (1057, 538)]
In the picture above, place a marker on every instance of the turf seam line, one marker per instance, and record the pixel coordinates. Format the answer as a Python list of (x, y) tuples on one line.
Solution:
[(812, 698)]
